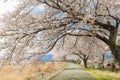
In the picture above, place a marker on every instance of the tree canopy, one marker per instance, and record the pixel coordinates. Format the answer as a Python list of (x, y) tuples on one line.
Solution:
[(60, 19)]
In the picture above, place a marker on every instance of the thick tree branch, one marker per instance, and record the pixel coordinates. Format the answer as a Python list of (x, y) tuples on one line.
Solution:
[(78, 54), (104, 26)]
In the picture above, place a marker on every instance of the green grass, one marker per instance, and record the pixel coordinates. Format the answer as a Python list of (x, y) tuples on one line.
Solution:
[(103, 74)]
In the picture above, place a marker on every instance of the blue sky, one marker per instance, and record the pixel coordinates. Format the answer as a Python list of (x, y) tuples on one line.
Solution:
[(47, 57), (38, 9)]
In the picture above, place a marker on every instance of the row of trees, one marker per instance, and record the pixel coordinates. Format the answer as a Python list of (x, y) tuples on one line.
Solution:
[(60, 19), (87, 48)]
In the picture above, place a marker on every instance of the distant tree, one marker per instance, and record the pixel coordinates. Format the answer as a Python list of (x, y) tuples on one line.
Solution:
[(83, 49), (83, 57)]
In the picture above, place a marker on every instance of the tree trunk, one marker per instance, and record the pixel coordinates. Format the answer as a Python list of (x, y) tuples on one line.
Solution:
[(85, 63), (115, 49), (116, 53), (103, 58)]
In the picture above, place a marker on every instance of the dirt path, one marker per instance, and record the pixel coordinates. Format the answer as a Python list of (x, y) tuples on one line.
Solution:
[(73, 72)]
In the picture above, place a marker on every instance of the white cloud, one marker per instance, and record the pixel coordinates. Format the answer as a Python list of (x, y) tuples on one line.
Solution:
[(8, 6)]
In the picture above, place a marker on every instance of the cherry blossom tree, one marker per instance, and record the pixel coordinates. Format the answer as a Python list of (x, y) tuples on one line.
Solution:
[(61, 18)]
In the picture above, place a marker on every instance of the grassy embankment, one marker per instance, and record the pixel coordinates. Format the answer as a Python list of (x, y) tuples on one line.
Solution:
[(103, 74), (17, 72)]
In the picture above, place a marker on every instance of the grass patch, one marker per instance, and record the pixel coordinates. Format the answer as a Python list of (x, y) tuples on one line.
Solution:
[(103, 74)]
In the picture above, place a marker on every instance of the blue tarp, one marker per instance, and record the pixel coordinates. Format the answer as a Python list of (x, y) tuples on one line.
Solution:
[(108, 55), (87, 28)]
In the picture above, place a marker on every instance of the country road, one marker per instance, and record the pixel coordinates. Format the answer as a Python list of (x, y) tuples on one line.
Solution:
[(73, 72)]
